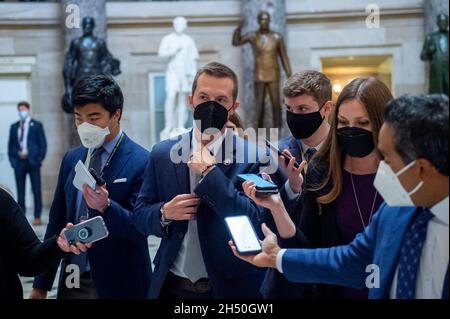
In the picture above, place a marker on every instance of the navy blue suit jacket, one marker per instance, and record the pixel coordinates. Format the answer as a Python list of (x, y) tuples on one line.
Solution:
[(379, 244), (120, 264), (36, 144), (229, 276)]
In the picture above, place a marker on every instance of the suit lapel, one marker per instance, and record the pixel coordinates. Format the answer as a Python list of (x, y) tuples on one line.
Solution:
[(118, 161), (69, 189)]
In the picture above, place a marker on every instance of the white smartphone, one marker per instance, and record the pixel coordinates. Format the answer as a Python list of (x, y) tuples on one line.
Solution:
[(243, 235)]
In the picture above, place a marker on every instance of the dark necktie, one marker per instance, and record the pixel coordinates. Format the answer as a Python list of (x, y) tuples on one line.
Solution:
[(309, 154), (21, 134), (410, 253), (83, 211)]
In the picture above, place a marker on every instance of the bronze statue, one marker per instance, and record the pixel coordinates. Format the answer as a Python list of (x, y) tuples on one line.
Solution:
[(435, 50), (267, 47), (87, 55)]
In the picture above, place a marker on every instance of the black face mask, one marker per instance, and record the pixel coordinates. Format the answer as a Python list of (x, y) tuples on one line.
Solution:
[(211, 115), (356, 141), (304, 125)]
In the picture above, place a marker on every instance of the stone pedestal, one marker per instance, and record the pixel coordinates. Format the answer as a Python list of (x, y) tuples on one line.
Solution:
[(250, 10), (87, 8)]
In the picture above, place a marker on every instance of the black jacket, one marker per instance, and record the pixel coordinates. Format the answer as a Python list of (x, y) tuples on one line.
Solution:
[(21, 252), (318, 222)]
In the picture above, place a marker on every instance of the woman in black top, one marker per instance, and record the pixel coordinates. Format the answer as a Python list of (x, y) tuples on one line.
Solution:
[(21, 252)]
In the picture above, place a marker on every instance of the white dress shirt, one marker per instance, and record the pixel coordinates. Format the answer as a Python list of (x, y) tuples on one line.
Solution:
[(434, 259), (191, 240), (24, 143)]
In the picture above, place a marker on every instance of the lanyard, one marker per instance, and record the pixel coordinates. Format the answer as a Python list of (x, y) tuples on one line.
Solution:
[(108, 161)]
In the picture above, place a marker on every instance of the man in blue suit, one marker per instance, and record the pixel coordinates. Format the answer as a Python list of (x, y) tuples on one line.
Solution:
[(190, 186), (404, 253), (118, 266), (26, 150)]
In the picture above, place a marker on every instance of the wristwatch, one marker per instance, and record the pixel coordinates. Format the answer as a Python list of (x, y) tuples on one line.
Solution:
[(164, 222)]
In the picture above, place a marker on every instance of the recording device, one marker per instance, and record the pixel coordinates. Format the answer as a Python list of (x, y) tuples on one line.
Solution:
[(263, 188), (243, 235), (98, 179), (89, 231), (276, 150)]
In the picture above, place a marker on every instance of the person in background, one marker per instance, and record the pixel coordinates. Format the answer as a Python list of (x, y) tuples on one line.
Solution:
[(23, 254), (27, 148), (404, 253)]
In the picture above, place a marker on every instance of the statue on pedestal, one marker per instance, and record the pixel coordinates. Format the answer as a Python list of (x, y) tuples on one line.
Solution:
[(87, 55), (181, 51), (267, 46), (435, 50)]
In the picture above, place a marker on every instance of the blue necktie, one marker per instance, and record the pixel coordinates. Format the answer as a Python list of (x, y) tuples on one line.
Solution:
[(410, 253)]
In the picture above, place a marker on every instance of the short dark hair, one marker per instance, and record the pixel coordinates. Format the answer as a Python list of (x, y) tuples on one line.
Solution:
[(98, 89), (217, 70), (421, 128), (24, 103), (312, 83)]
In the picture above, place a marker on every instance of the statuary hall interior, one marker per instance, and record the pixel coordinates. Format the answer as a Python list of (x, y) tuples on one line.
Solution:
[(154, 48)]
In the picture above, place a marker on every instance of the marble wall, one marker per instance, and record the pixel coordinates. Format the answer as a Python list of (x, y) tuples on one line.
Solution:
[(315, 29)]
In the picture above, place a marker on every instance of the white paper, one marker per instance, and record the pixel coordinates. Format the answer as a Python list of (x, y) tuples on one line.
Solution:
[(82, 176)]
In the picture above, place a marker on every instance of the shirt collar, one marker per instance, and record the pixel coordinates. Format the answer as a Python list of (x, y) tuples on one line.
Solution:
[(305, 147), (440, 211), (111, 144)]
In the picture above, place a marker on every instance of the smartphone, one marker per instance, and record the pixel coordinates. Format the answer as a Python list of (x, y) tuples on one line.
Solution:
[(280, 153), (263, 188), (87, 232), (243, 235), (98, 179)]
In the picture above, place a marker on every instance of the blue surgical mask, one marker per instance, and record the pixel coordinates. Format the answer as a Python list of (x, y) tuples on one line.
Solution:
[(23, 115)]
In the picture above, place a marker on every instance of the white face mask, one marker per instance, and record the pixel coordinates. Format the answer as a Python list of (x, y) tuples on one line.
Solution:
[(92, 136), (389, 186)]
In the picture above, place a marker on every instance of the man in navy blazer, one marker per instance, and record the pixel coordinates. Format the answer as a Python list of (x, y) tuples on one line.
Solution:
[(26, 151), (118, 266), (190, 186), (404, 253)]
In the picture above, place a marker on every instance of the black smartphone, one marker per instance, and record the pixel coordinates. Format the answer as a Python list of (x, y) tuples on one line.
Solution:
[(263, 188), (280, 153), (243, 235), (89, 231), (98, 179)]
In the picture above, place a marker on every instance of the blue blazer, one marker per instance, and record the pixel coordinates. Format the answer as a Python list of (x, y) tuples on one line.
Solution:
[(379, 244), (36, 144), (120, 264), (229, 276)]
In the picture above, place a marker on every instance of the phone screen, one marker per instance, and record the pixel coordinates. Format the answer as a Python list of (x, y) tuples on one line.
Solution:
[(260, 182), (243, 234)]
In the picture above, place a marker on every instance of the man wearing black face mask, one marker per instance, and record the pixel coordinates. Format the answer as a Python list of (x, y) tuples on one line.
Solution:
[(190, 186), (307, 96)]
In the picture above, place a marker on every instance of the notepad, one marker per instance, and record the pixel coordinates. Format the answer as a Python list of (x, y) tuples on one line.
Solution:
[(82, 176)]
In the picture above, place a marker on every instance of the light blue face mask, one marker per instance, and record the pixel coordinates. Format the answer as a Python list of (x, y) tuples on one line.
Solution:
[(23, 115)]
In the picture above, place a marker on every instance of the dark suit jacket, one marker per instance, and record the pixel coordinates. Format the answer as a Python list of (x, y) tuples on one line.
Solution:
[(230, 277), (120, 264), (36, 144), (21, 252)]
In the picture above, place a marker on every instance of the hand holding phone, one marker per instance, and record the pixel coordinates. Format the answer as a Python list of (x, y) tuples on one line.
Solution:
[(87, 232), (243, 235), (263, 187), (287, 159)]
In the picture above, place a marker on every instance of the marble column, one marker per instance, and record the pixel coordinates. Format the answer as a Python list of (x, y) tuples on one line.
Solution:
[(250, 10), (87, 8)]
